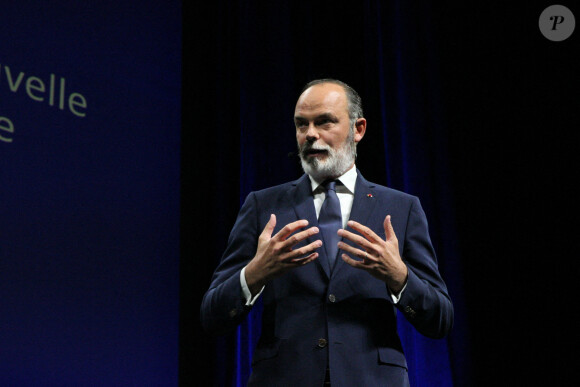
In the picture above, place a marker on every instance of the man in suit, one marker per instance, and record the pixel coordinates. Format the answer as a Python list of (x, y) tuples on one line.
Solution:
[(333, 258)]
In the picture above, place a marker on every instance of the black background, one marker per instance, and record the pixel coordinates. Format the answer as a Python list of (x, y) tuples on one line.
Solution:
[(510, 101)]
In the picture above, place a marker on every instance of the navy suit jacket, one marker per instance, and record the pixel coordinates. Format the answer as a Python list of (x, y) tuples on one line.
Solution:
[(345, 318)]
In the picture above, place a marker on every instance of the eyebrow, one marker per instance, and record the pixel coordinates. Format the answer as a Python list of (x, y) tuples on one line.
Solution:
[(323, 116)]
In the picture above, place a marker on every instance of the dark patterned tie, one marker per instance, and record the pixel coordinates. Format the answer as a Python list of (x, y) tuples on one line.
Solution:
[(329, 221)]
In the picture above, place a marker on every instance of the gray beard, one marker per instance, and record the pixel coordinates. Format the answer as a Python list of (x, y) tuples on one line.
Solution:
[(336, 163)]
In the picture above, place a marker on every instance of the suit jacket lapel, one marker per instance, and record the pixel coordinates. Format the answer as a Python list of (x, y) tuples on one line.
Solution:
[(304, 207), (363, 204)]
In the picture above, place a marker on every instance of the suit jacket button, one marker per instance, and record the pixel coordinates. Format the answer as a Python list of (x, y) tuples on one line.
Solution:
[(332, 298), (322, 343), (233, 313)]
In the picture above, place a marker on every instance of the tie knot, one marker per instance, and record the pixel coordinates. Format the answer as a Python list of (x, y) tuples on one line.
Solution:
[(330, 185)]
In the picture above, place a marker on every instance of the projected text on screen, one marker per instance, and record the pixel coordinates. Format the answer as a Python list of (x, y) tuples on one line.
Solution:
[(52, 92)]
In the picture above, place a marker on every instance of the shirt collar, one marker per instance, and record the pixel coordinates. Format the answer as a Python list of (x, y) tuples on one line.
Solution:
[(348, 179)]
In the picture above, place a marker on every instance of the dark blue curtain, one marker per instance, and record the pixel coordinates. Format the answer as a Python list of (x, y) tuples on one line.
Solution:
[(385, 51), (447, 95), (393, 68)]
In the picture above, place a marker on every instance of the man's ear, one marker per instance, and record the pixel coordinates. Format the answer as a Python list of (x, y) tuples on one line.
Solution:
[(360, 127)]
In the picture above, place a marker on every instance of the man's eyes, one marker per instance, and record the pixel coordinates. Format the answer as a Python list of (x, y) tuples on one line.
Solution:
[(319, 122)]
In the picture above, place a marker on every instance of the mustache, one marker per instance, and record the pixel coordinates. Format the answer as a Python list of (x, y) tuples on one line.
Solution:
[(308, 146)]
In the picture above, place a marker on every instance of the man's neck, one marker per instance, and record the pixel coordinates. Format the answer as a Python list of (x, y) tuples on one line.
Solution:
[(331, 177), (348, 179)]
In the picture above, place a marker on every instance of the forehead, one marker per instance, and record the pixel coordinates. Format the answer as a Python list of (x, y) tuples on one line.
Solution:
[(325, 97)]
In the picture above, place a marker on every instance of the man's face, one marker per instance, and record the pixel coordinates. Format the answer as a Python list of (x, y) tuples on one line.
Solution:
[(326, 142)]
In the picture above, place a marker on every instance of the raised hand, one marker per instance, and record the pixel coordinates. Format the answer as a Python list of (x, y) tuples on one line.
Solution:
[(275, 254), (379, 257)]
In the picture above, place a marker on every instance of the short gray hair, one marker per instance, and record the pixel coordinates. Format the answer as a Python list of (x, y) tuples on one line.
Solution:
[(355, 110)]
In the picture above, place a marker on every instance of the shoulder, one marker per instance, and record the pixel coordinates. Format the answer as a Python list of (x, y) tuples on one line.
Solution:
[(275, 189), (384, 192), (391, 192), (281, 189)]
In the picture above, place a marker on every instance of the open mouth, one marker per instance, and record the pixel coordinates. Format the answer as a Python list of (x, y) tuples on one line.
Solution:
[(315, 152)]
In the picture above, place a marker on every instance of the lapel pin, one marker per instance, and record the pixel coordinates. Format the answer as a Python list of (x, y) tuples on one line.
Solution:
[(369, 195)]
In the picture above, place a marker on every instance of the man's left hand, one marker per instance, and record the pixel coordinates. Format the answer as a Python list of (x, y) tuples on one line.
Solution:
[(379, 257)]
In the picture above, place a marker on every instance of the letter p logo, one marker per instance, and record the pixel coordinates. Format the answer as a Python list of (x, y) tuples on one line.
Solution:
[(557, 23), (557, 20)]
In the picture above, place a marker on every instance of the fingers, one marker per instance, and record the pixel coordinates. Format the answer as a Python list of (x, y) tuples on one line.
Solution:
[(290, 228), (354, 263), (294, 255), (280, 245), (369, 244), (269, 229), (389, 231), (361, 254), (359, 240), (299, 237), (364, 230), (289, 239), (304, 260)]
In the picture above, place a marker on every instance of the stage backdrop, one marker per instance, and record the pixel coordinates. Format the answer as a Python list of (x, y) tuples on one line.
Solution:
[(89, 192), (256, 58), (469, 107)]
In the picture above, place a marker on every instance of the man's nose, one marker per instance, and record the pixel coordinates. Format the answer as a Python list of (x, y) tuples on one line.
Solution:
[(312, 134)]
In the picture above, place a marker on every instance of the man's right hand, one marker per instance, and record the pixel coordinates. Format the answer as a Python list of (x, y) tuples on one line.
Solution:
[(275, 255)]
